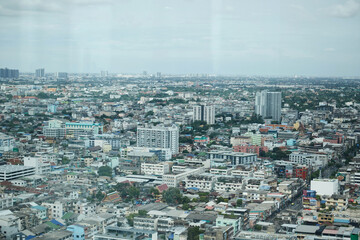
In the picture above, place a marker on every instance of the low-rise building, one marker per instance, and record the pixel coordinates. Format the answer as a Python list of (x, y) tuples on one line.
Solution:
[(229, 220), (200, 182), (155, 168), (228, 184)]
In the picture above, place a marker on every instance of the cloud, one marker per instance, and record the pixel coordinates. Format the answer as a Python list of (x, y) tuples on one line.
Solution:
[(17, 7), (348, 9), (329, 50)]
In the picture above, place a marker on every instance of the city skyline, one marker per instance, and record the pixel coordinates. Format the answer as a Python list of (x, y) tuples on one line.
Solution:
[(225, 38)]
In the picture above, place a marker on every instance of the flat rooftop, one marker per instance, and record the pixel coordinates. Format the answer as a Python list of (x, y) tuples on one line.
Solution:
[(13, 168)]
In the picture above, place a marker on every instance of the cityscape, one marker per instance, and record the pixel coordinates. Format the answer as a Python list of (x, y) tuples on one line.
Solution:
[(181, 135)]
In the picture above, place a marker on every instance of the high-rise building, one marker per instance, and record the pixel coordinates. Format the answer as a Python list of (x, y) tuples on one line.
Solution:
[(268, 105), (62, 75), (204, 113), (39, 73), (104, 73), (9, 73), (159, 137), (158, 75)]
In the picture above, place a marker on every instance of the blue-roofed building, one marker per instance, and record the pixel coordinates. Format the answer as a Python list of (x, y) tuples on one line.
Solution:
[(290, 142), (41, 212), (78, 231), (57, 222)]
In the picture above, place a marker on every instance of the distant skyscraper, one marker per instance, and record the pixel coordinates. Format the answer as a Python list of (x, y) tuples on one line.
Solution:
[(9, 73), (104, 73), (204, 113), (159, 137), (158, 75), (268, 105), (62, 75), (39, 73), (145, 73)]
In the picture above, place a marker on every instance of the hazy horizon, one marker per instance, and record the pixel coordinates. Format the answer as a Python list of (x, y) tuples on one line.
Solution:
[(234, 37)]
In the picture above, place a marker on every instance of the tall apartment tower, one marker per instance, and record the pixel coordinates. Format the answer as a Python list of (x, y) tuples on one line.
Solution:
[(9, 73), (159, 137), (104, 73), (204, 113), (268, 105), (62, 75), (39, 73)]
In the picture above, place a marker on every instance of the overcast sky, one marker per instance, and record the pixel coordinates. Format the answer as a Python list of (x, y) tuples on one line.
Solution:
[(252, 37)]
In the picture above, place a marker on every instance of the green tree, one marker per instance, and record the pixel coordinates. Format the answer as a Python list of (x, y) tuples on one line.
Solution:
[(154, 191), (220, 199), (99, 196), (257, 227), (105, 171), (239, 202), (133, 192), (65, 160), (130, 218), (193, 233), (172, 196), (185, 200), (185, 206), (149, 113), (142, 213), (204, 199)]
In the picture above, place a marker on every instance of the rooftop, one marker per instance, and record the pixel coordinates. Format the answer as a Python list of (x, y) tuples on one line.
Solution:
[(12, 168)]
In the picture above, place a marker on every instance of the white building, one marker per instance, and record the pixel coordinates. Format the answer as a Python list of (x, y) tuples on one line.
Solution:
[(54, 128), (162, 224), (10, 172), (76, 129), (204, 113), (172, 180), (315, 160), (235, 158), (325, 186), (41, 167), (201, 182), (10, 224), (155, 168), (164, 154), (55, 210), (84, 208), (159, 137), (7, 143), (226, 184), (220, 171), (6, 201)]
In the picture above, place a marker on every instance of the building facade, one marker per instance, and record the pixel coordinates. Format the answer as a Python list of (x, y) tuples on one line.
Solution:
[(159, 137), (204, 113), (268, 105)]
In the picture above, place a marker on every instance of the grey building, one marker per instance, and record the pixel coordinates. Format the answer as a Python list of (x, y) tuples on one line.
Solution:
[(268, 105), (39, 73), (204, 113), (9, 73), (159, 137)]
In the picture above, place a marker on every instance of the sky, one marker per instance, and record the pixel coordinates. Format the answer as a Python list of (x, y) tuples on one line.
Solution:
[(237, 37)]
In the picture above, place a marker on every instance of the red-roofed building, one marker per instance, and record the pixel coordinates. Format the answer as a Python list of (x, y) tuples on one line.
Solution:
[(250, 149), (112, 197), (162, 187)]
